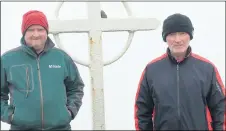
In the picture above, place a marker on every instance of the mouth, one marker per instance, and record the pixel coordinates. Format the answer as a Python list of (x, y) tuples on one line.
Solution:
[(38, 40), (179, 46)]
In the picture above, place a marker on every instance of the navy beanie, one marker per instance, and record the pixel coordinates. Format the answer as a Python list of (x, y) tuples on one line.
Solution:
[(177, 23)]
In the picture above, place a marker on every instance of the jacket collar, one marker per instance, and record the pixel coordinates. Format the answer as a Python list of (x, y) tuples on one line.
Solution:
[(188, 53), (48, 45)]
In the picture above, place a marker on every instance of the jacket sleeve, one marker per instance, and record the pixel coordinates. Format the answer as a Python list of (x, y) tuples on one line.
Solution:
[(6, 110), (216, 101), (74, 87), (144, 104)]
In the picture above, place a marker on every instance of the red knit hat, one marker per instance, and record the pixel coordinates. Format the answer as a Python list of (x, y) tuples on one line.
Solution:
[(34, 17)]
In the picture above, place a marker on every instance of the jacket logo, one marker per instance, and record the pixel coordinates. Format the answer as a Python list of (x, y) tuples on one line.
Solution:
[(54, 66), (218, 87)]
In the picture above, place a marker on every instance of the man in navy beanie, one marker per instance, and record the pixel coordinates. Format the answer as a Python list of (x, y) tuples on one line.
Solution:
[(180, 90)]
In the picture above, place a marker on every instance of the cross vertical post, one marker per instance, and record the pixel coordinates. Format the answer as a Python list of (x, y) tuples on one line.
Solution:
[(96, 66), (94, 26)]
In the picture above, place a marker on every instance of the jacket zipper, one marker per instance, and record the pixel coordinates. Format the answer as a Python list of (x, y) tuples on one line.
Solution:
[(178, 92), (41, 95)]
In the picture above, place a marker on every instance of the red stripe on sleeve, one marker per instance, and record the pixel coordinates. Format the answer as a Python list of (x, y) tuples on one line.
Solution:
[(219, 80)]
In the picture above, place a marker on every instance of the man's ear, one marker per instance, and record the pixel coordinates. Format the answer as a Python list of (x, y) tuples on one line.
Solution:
[(192, 33)]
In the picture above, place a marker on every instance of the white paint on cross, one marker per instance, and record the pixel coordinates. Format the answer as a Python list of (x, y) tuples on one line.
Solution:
[(94, 26)]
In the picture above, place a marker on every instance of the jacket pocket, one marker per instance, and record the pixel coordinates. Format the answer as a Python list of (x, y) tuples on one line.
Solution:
[(25, 117), (22, 77), (56, 117)]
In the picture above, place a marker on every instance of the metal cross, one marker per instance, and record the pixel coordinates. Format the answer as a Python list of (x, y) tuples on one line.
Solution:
[(94, 26)]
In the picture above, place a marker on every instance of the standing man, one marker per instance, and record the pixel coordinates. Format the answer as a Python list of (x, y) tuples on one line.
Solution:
[(44, 84), (180, 90)]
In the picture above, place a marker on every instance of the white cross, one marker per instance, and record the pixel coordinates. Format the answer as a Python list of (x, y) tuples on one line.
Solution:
[(95, 25)]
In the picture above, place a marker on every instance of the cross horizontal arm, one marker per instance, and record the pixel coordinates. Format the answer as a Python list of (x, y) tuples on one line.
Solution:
[(106, 25), (129, 24)]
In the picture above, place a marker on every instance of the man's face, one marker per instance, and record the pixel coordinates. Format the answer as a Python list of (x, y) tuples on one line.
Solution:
[(178, 42), (36, 37)]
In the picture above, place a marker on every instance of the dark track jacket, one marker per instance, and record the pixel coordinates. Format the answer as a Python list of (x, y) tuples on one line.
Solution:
[(180, 95)]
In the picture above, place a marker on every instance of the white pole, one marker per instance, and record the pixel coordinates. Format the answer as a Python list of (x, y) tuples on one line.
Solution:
[(96, 66), (95, 25)]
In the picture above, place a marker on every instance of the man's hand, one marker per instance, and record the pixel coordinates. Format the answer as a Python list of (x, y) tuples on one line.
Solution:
[(69, 112), (11, 118)]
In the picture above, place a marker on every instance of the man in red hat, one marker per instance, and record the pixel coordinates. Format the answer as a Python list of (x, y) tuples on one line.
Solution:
[(44, 84)]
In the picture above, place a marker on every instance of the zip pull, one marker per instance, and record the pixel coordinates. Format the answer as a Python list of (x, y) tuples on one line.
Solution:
[(27, 94), (38, 63), (27, 77)]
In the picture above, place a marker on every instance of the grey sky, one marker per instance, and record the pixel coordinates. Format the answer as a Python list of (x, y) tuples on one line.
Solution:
[(121, 78)]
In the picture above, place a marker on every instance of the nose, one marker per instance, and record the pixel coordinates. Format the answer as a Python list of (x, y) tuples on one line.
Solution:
[(177, 37), (35, 33)]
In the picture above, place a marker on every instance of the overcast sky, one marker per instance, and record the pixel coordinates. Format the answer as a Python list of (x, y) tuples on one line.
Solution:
[(121, 78)]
